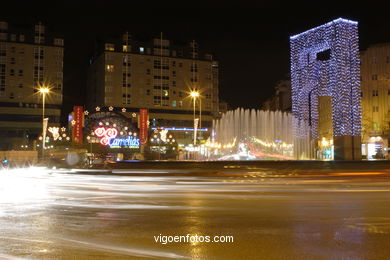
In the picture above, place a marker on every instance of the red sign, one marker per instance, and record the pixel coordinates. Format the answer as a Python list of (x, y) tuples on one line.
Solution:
[(143, 125), (78, 117)]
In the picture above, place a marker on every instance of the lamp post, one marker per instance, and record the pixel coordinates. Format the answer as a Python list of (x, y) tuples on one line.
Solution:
[(194, 95), (43, 91)]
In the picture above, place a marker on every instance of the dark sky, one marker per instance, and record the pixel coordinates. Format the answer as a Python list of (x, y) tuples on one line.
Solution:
[(251, 42)]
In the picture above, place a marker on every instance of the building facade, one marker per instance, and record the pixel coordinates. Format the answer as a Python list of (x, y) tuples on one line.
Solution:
[(158, 76), (375, 78), (29, 59)]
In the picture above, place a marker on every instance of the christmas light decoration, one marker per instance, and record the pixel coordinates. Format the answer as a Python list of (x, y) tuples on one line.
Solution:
[(55, 132), (109, 137), (325, 62)]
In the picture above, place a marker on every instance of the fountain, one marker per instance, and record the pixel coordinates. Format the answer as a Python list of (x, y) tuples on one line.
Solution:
[(249, 134)]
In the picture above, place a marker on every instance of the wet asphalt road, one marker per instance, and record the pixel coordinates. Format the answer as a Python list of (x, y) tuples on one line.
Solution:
[(311, 210)]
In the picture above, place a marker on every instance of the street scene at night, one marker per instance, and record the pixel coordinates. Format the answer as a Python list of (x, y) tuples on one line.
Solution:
[(161, 133)]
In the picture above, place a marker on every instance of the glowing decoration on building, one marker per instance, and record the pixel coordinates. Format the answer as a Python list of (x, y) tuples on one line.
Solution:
[(55, 132), (109, 137), (97, 109), (129, 142), (63, 129), (163, 135), (123, 110), (110, 108), (100, 131), (325, 62), (86, 112)]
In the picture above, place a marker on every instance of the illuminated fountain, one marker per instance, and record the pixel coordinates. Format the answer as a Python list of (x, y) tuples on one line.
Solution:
[(245, 134)]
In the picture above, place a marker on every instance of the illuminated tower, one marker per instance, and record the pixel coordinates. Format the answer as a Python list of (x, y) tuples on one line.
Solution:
[(325, 73)]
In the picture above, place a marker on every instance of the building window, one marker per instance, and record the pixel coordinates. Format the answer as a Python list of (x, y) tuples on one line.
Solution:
[(13, 60), (194, 68), (148, 71), (38, 53), (20, 73), (126, 48), (387, 59), (109, 47), (109, 68), (126, 98), (375, 93), (173, 73), (126, 61), (11, 95), (174, 103), (174, 83), (159, 77), (141, 50), (173, 63), (148, 92), (12, 72), (375, 126), (388, 92), (20, 85), (21, 38), (180, 64), (58, 42), (375, 109), (374, 77)]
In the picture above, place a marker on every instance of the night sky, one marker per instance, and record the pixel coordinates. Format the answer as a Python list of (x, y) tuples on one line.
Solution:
[(251, 44)]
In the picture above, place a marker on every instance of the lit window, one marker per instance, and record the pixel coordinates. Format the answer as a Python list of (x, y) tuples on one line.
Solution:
[(109, 47), (109, 68), (126, 48), (141, 49)]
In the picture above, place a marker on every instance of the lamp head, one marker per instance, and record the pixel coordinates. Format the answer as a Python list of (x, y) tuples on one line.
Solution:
[(44, 90)]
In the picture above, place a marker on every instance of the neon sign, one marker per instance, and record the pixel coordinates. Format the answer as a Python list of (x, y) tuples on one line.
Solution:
[(129, 142), (108, 138)]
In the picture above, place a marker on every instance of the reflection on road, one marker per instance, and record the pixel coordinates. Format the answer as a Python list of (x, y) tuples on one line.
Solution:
[(272, 213)]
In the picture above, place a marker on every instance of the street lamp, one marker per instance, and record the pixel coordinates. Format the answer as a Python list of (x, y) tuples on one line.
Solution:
[(194, 94), (43, 91)]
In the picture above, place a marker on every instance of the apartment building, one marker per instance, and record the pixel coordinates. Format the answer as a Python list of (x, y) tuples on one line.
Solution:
[(29, 59), (375, 77), (159, 76)]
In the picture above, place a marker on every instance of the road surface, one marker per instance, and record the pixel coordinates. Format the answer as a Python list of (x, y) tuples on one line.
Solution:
[(274, 210)]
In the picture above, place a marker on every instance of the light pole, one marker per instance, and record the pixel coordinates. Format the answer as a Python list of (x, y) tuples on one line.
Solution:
[(194, 94), (43, 91)]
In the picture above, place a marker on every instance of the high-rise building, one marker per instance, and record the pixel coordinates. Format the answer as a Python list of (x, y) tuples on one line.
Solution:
[(375, 77), (29, 59), (158, 76)]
